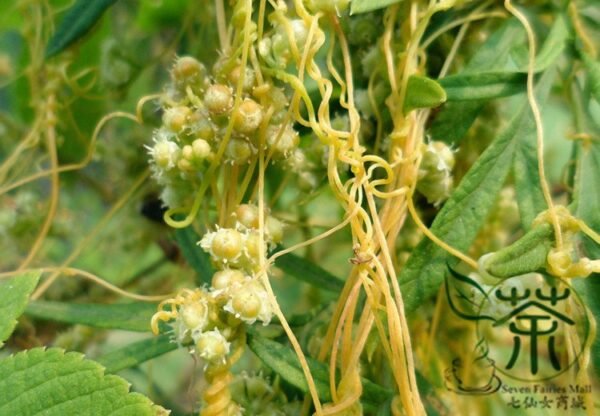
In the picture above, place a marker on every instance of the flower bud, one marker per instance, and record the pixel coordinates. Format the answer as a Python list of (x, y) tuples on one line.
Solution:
[(227, 244), (194, 315), (187, 70), (246, 305), (247, 215), (227, 278), (200, 149), (282, 142), (250, 302), (274, 230), (249, 78), (238, 150), (218, 99), (212, 346), (247, 117), (175, 119)]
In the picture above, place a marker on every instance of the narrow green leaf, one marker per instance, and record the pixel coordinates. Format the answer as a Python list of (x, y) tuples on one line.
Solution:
[(494, 53), (363, 6), (530, 198), (587, 201), (133, 316), (78, 21), (464, 213), (54, 383), (196, 257), (483, 78), (553, 46), (483, 86), (455, 118), (283, 361), (423, 92), (308, 272), (593, 70), (14, 295), (136, 353)]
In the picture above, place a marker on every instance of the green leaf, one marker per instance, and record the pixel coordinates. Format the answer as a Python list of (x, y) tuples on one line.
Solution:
[(554, 44), (78, 21), (363, 6), (483, 78), (137, 353), (308, 272), (423, 92), (196, 257), (14, 295), (134, 316), (455, 118), (460, 219), (283, 361), (483, 86), (530, 198), (593, 69), (587, 201), (54, 383)]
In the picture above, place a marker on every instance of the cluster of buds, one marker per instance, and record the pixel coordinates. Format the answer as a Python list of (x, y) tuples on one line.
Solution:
[(237, 251), (240, 246), (287, 36), (195, 319), (203, 117), (208, 318)]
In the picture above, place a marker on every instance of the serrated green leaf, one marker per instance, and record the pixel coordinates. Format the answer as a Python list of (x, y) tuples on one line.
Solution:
[(593, 69), (363, 6), (78, 21), (283, 361), (14, 295), (54, 383), (306, 271), (196, 257), (134, 316), (483, 86), (136, 353), (464, 213), (423, 92)]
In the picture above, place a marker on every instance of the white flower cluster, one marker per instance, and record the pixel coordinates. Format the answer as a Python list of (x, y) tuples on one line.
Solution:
[(207, 318), (236, 251), (197, 111)]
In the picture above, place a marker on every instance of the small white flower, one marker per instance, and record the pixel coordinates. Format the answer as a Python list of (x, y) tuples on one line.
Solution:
[(212, 346), (194, 315), (165, 151), (250, 303), (224, 245)]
